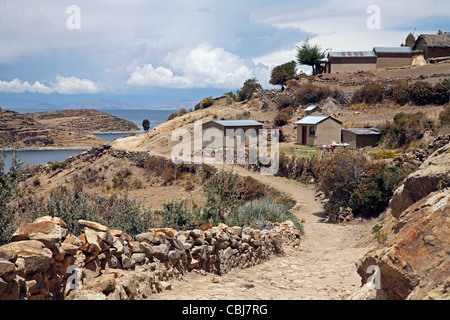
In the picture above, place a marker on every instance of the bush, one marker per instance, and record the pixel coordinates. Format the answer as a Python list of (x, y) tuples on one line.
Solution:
[(255, 213), (369, 93), (400, 93), (440, 94), (404, 129), (311, 94), (284, 101), (421, 93), (444, 116), (181, 112), (375, 189), (282, 119), (172, 116), (247, 90)]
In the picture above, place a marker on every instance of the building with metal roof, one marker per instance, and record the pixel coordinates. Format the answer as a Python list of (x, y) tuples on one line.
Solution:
[(351, 61), (230, 128), (392, 57), (361, 137), (316, 130), (313, 109)]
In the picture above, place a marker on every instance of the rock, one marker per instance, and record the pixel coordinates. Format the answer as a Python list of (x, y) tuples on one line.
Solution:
[(163, 233), (414, 262), (162, 286), (31, 255), (148, 237), (161, 252), (421, 182), (104, 283), (8, 270), (93, 225), (47, 231)]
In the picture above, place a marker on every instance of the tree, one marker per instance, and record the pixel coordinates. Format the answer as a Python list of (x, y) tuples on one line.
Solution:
[(283, 73), (310, 55), (146, 125), (409, 41), (250, 86)]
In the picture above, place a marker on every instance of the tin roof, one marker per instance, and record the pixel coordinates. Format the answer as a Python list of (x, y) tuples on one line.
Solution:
[(238, 123), (351, 54), (315, 119), (311, 107), (363, 131), (392, 49)]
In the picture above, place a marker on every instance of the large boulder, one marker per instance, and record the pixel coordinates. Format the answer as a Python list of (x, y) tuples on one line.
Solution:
[(28, 255), (414, 263), (48, 230), (422, 182)]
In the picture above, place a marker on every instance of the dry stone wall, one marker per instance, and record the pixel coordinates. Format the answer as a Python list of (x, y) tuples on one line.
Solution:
[(45, 262)]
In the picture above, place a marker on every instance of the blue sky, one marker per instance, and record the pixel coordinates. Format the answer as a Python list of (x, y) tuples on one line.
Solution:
[(151, 52)]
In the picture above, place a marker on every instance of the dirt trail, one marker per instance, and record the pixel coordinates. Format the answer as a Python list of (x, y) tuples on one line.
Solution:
[(322, 268)]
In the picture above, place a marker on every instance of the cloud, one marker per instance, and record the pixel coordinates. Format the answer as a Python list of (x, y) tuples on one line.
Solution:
[(203, 66), (147, 76), (62, 85), (17, 86)]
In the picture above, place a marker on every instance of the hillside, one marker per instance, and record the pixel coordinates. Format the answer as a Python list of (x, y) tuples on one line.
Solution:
[(22, 131), (87, 120)]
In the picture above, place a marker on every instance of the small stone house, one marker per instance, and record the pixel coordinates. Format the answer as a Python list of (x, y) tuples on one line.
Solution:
[(313, 110), (361, 137), (224, 125), (389, 57), (433, 45), (353, 61), (318, 130)]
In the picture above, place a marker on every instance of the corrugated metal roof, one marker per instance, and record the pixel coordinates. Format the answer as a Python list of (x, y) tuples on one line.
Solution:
[(312, 119), (312, 107), (351, 54), (392, 49), (363, 131), (238, 123)]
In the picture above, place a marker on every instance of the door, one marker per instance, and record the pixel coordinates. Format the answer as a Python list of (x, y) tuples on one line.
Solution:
[(304, 132)]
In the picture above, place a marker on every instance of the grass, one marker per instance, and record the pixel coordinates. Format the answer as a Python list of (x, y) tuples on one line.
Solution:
[(286, 149)]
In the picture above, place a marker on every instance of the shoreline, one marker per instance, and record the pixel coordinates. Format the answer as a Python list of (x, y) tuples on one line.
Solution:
[(77, 148)]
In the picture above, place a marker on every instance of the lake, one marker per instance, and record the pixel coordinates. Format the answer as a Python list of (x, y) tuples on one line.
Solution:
[(31, 157)]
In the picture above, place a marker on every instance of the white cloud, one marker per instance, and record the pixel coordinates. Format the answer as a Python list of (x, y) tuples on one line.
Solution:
[(62, 85), (17, 86), (74, 85), (203, 66), (147, 76)]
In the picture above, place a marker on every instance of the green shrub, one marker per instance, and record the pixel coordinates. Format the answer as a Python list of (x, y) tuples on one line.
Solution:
[(369, 93), (311, 94), (400, 93), (404, 129), (282, 119), (284, 101), (255, 213), (247, 90), (441, 92), (421, 93), (172, 116)]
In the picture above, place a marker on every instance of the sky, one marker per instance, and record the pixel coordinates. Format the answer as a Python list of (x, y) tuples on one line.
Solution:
[(147, 52)]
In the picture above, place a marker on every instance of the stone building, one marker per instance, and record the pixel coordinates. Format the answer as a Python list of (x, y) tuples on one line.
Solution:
[(360, 137), (318, 130)]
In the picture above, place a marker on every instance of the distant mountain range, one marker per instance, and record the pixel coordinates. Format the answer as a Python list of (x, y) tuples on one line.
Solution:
[(107, 104)]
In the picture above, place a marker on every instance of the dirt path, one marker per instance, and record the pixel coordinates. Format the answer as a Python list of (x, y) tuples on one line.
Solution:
[(322, 268)]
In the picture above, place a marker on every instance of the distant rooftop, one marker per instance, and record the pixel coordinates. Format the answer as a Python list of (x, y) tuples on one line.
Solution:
[(392, 49), (314, 119), (238, 123), (311, 107), (363, 131), (351, 54)]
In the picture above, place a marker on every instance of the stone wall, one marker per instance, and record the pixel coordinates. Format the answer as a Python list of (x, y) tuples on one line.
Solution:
[(45, 262)]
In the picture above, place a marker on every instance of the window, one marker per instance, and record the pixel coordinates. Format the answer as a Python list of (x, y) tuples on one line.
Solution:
[(312, 131)]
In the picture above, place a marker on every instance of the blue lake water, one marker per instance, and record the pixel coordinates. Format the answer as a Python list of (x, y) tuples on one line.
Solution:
[(32, 157)]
